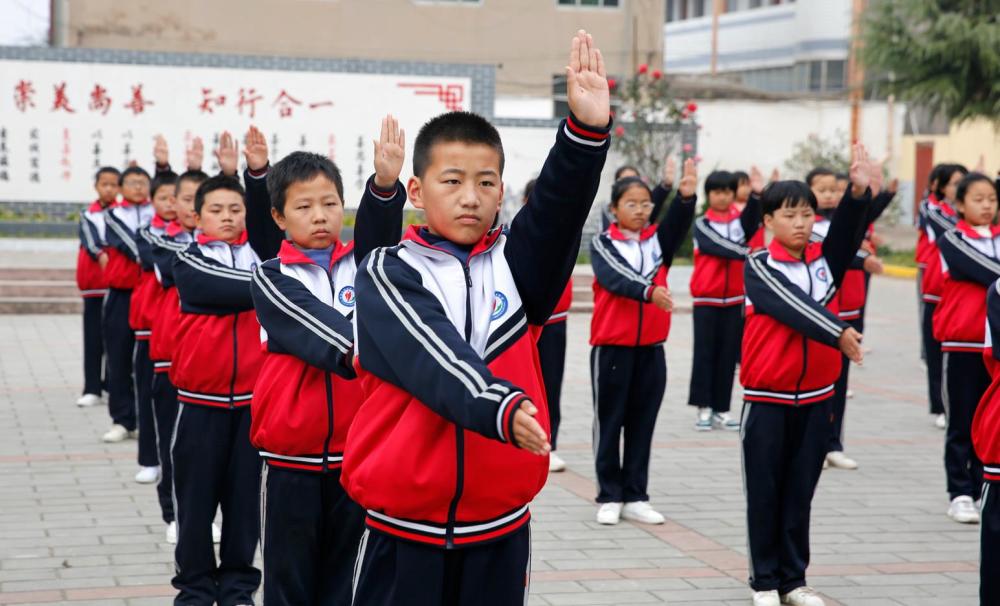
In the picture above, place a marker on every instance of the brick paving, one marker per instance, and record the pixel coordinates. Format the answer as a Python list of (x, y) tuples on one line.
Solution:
[(75, 528)]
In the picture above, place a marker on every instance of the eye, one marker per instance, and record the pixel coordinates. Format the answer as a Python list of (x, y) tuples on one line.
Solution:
[(486, 183)]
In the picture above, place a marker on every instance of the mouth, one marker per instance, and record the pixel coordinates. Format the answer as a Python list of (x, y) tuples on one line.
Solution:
[(468, 220), (321, 233)]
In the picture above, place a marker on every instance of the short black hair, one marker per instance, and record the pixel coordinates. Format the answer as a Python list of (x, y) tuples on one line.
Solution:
[(786, 194), (842, 176), (162, 179), (297, 167), (720, 180), (109, 170), (968, 181), (461, 127), (528, 188), (132, 170), (819, 171), (216, 183), (623, 168), (623, 185), (944, 175), (741, 177), (195, 176)]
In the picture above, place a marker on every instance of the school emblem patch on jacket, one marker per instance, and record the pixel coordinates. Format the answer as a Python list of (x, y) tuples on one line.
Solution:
[(499, 305), (346, 296)]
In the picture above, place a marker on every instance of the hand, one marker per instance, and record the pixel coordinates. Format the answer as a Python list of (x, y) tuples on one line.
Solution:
[(255, 150), (587, 82), (528, 433), (850, 343), (873, 265), (669, 172), (662, 299), (227, 154), (875, 171), (689, 181), (756, 180), (160, 151), (775, 176), (981, 165), (390, 151), (860, 171), (195, 154), (102, 260), (877, 240)]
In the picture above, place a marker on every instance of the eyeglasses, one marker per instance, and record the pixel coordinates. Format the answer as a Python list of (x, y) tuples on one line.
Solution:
[(633, 206)]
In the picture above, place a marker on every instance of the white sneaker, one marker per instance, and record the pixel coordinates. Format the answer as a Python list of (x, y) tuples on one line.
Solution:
[(216, 533), (556, 463), (839, 460), (803, 596), (850, 394), (724, 420), (704, 421), (963, 510), (826, 464), (172, 533), (87, 400), (148, 475), (766, 598), (609, 513), (941, 421), (642, 511), (117, 433)]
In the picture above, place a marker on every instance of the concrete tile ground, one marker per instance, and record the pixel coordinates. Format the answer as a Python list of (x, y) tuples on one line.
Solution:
[(75, 528)]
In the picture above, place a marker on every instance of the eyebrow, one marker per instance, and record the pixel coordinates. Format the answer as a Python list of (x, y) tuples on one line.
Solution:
[(489, 172)]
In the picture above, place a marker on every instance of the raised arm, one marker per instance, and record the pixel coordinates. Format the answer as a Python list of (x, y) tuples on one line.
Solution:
[(662, 190), (673, 230), (263, 233), (380, 216), (847, 228)]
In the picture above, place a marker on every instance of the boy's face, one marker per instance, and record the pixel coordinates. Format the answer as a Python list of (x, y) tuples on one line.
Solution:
[(460, 192), (951, 188), (743, 190), (107, 188), (135, 188), (979, 207), (825, 189), (223, 215), (313, 214), (720, 200), (633, 209), (184, 205), (791, 226), (163, 202)]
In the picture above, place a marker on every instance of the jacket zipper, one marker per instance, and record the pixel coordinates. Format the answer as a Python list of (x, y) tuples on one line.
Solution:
[(236, 319), (805, 340), (449, 536), (642, 304), (329, 393)]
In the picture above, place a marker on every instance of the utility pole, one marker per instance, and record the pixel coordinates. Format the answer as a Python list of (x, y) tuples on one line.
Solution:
[(855, 71), (716, 9)]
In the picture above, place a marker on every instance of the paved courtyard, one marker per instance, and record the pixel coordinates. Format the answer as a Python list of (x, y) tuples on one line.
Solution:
[(76, 529)]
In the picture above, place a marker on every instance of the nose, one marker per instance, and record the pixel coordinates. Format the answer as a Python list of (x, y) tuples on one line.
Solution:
[(468, 197)]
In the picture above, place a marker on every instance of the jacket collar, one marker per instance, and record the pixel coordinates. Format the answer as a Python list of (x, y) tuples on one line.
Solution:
[(615, 232), (203, 239), (173, 228), (813, 251), (158, 222), (95, 206), (487, 242), (731, 214), (126, 204), (289, 254), (968, 230)]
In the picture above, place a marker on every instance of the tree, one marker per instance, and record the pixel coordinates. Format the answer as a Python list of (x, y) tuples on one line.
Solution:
[(943, 54), (649, 121), (814, 151)]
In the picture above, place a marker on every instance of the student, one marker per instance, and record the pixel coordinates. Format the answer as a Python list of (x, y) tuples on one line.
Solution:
[(970, 263), (449, 446), (552, 356), (937, 217), (93, 284), (122, 272), (304, 400), (146, 301), (743, 192), (986, 439), (630, 323), (177, 236), (721, 243), (215, 364), (789, 370)]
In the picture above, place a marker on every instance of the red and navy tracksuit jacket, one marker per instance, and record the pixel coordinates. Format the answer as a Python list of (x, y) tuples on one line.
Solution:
[(721, 244), (146, 296), (921, 252), (123, 224), (90, 278), (626, 271), (304, 400), (446, 354), (970, 263), (936, 218), (561, 312), (790, 336), (217, 352), (166, 320), (986, 423)]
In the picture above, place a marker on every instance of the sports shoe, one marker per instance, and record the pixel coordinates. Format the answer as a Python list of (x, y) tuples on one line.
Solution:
[(850, 394), (839, 460), (941, 421), (216, 533), (642, 511), (766, 598), (148, 475), (803, 596), (87, 400), (704, 421), (117, 433), (556, 463), (963, 510), (723, 420), (609, 513), (172, 533)]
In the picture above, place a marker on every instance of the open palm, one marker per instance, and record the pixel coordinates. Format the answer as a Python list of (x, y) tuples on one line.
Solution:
[(587, 82), (390, 151)]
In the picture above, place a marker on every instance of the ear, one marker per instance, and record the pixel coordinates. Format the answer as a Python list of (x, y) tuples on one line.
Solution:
[(279, 218), (414, 191), (197, 220), (768, 220)]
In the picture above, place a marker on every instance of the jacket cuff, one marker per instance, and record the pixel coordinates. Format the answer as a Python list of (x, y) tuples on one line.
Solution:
[(259, 174), (647, 295), (381, 194), (585, 134), (505, 416)]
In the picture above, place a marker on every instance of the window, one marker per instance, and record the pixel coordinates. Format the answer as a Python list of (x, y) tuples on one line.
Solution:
[(598, 3), (560, 105), (756, 3), (732, 6), (835, 75), (671, 10), (815, 75), (699, 8)]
